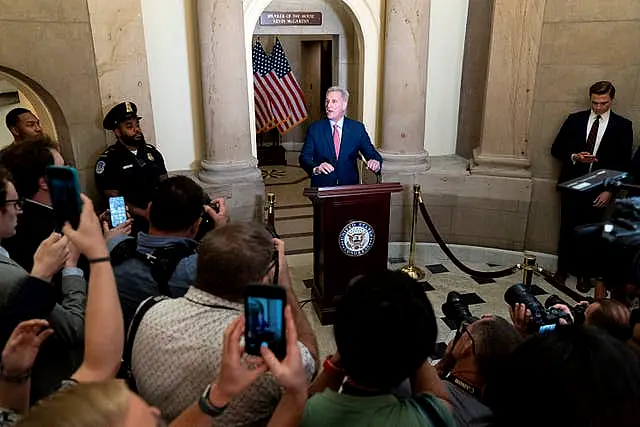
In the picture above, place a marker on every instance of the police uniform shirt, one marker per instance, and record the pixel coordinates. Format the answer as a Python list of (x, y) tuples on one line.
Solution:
[(134, 176)]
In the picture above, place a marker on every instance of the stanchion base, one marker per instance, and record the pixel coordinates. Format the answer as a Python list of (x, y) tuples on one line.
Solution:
[(413, 272)]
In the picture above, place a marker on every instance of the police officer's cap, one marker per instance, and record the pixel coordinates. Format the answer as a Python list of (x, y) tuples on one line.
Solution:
[(120, 113)]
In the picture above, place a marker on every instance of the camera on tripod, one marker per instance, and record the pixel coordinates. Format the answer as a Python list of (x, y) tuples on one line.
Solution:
[(543, 317)]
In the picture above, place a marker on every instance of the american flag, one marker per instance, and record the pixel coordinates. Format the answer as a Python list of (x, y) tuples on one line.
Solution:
[(266, 83), (265, 117), (290, 87)]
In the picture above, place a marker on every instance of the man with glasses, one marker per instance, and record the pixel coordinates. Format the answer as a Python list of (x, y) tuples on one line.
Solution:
[(178, 345), (472, 360), (62, 354), (130, 168), (27, 163)]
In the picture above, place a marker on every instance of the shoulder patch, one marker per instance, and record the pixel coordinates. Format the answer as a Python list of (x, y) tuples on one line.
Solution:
[(100, 167)]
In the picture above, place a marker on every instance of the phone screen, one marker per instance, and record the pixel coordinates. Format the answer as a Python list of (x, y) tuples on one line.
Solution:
[(265, 324), (117, 210), (64, 189)]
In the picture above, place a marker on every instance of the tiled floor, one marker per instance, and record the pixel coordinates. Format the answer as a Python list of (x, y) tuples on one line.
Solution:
[(483, 298), (294, 222)]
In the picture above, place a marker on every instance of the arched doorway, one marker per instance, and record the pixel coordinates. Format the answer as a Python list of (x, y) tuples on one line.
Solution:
[(364, 41), (18, 90)]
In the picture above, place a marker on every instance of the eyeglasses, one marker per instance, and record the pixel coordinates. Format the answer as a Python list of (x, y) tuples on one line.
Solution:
[(19, 203)]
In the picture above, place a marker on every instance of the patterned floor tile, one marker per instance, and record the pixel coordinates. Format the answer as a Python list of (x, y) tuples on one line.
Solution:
[(427, 286), (437, 268), (472, 298), (483, 280)]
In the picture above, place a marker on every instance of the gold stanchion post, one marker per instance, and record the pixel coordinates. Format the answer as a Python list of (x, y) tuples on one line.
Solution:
[(269, 210), (411, 269), (528, 267)]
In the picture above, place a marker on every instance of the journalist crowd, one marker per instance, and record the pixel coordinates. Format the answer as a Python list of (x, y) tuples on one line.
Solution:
[(143, 323)]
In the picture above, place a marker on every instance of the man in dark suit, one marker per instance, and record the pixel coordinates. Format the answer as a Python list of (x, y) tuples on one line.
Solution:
[(333, 145), (589, 140)]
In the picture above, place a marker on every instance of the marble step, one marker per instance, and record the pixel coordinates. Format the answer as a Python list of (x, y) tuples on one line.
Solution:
[(294, 224), (301, 243)]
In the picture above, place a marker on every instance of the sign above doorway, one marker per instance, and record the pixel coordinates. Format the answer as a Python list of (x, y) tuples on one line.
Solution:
[(290, 18)]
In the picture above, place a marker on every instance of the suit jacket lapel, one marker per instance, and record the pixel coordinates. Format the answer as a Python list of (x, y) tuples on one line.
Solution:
[(345, 136), (329, 139), (610, 130)]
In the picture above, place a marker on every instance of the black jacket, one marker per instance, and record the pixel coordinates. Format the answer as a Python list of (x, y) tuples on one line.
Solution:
[(614, 151)]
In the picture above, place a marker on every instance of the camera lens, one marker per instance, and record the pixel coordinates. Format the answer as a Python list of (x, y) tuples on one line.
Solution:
[(518, 293)]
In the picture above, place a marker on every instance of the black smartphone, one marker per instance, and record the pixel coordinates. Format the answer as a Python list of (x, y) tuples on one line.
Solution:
[(64, 189), (117, 210), (264, 319)]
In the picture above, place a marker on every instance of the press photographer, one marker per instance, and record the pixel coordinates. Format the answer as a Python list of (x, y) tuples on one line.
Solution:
[(473, 359), (529, 315), (163, 261)]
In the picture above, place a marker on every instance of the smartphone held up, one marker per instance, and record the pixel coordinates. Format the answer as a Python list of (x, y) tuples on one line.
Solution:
[(264, 319), (117, 210), (64, 188)]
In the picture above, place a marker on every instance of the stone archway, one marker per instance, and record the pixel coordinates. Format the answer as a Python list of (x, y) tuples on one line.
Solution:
[(367, 25), (45, 107)]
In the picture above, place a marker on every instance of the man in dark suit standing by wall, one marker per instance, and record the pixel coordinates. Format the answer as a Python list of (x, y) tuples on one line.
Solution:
[(331, 149), (589, 140)]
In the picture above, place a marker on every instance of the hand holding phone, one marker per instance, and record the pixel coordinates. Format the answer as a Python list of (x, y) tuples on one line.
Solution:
[(585, 157), (265, 324), (64, 189), (117, 210)]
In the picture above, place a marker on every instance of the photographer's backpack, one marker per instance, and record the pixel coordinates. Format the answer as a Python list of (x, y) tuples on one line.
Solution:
[(162, 263)]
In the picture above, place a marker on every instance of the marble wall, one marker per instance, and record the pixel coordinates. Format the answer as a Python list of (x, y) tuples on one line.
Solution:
[(582, 42), (121, 60), (543, 56), (47, 44)]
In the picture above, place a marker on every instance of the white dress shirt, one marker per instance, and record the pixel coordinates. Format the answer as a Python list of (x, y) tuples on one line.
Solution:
[(604, 121)]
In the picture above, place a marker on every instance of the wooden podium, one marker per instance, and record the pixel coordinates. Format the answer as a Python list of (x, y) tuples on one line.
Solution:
[(350, 237)]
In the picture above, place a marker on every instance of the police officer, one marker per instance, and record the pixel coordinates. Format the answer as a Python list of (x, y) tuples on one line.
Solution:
[(130, 168)]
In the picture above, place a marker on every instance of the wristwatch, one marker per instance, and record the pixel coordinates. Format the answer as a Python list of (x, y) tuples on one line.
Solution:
[(205, 404)]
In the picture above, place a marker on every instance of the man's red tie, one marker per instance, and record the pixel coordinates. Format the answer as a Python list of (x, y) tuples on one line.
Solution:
[(336, 139), (593, 133)]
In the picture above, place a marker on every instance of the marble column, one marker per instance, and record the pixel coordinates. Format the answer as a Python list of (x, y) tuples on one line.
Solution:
[(228, 168), (513, 61), (404, 88)]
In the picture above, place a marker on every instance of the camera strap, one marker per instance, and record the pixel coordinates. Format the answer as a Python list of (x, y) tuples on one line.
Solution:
[(464, 385)]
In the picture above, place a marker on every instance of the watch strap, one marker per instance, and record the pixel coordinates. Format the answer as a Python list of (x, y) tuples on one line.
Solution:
[(207, 407)]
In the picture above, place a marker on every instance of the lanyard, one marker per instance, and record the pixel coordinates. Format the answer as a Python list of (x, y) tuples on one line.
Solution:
[(462, 384)]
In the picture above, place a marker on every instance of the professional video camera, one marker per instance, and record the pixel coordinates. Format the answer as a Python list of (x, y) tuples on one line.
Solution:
[(610, 250), (541, 318), (455, 310)]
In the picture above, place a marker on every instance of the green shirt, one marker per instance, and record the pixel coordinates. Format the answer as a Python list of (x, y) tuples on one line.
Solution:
[(333, 409)]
